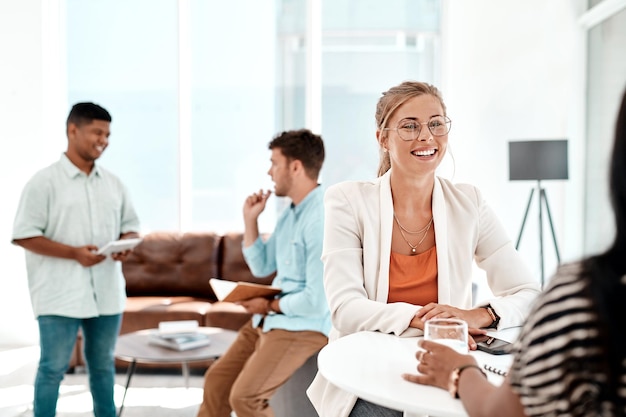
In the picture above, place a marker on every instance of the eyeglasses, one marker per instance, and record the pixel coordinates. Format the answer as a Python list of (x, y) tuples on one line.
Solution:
[(409, 129)]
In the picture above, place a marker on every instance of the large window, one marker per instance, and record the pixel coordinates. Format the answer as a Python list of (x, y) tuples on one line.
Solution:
[(232, 108), (197, 89), (123, 56), (367, 47)]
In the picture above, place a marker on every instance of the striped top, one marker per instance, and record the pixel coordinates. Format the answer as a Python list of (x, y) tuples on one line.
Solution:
[(557, 370)]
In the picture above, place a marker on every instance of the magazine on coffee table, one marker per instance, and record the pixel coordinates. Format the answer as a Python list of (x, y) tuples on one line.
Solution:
[(179, 342), (240, 291)]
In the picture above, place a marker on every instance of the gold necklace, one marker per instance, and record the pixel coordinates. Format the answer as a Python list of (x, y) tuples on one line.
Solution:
[(408, 231), (425, 229)]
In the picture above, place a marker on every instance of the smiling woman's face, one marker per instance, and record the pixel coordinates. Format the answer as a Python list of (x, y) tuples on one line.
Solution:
[(423, 155)]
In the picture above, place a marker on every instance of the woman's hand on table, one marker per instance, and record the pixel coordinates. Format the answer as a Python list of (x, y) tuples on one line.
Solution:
[(417, 322), (476, 317), (436, 363)]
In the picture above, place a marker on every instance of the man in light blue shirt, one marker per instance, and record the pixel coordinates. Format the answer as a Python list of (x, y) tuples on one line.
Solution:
[(65, 213), (284, 331)]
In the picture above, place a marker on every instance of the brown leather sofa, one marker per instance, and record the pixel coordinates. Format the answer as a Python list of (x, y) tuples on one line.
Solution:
[(167, 278)]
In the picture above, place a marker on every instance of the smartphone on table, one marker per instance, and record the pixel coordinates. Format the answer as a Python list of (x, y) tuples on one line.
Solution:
[(492, 345)]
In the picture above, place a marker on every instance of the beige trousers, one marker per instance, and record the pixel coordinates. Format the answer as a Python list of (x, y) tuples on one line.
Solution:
[(253, 368)]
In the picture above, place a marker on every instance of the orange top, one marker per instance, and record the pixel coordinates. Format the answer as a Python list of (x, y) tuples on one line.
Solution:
[(413, 278)]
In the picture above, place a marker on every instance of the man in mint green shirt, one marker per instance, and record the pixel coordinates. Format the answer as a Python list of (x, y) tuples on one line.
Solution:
[(284, 331), (66, 212)]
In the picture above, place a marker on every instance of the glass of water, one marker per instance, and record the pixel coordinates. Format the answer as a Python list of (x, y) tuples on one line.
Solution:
[(449, 332)]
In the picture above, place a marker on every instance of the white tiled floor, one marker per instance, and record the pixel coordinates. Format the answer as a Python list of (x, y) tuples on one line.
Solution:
[(153, 395)]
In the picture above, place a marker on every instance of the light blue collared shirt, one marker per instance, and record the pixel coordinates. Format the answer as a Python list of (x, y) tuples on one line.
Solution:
[(293, 251), (65, 205)]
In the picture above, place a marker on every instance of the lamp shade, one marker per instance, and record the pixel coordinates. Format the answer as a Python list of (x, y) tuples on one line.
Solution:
[(538, 160)]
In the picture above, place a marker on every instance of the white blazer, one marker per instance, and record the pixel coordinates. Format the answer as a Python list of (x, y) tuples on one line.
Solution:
[(357, 247)]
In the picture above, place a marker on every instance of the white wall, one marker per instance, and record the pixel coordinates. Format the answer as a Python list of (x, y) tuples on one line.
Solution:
[(20, 118), (509, 73), (30, 139)]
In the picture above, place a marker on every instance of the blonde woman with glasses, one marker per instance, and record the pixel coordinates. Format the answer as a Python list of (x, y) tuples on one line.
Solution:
[(570, 358), (399, 250)]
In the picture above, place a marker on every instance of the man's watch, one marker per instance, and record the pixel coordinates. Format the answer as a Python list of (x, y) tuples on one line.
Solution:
[(453, 383)]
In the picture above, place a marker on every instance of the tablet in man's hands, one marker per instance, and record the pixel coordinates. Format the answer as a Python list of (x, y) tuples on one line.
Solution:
[(118, 246)]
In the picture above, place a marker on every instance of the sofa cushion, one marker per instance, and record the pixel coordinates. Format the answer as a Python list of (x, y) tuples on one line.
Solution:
[(147, 312), (172, 264), (233, 266)]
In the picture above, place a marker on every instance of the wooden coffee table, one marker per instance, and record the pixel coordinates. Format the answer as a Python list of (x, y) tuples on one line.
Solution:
[(135, 348)]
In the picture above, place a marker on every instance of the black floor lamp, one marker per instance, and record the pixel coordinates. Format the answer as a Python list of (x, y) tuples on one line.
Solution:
[(538, 160)]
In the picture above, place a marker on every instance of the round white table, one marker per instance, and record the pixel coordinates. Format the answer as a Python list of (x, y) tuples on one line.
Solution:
[(370, 365)]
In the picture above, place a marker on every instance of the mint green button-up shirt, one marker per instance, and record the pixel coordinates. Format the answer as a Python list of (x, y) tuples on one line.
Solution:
[(294, 252), (68, 206)]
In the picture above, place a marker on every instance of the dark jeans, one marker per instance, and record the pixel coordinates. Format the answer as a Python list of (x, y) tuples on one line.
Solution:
[(364, 408), (57, 337)]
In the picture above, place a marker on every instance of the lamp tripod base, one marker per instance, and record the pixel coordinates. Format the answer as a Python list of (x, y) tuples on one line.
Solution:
[(543, 201)]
